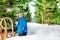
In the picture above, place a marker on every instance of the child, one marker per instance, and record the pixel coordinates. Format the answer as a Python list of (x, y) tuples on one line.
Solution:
[(22, 25)]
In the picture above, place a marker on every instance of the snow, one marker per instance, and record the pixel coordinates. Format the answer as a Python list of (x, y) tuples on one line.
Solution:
[(38, 31), (35, 37)]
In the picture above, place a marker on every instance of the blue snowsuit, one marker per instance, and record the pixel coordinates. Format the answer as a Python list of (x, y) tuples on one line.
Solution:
[(22, 25)]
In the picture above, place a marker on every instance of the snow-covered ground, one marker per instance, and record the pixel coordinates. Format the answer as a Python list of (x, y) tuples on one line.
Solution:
[(40, 32)]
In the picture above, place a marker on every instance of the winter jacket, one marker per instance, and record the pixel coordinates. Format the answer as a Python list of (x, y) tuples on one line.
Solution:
[(22, 25)]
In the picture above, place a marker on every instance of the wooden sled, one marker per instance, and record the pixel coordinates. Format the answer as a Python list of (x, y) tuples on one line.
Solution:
[(3, 29)]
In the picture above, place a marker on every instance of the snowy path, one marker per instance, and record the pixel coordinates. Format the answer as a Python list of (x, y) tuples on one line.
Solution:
[(35, 37), (40, 32)]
